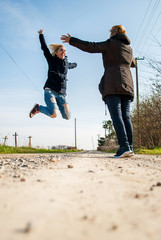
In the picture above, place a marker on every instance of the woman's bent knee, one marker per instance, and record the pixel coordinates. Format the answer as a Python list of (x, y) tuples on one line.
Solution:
[(54, 115), (66, 117), (66, 110)]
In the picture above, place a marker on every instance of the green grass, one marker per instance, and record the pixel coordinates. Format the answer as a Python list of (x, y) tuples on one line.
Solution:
[(10, 150), (153, 151)]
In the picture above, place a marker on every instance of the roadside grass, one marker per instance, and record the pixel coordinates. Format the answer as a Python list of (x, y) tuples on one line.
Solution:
[(152, 151), (11, 150)]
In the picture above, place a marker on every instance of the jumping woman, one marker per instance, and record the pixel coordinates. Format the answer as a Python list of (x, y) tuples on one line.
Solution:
[(55, 86)]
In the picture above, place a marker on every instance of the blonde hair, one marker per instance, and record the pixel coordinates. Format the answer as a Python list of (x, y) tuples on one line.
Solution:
[(54, 48), (118, 29)]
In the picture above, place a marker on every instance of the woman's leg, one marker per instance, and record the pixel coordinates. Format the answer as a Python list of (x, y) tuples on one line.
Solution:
[(63, 106), (50, 100), (125, 106), (114, 106)]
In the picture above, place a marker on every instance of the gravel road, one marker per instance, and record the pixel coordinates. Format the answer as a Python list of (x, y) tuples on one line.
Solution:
[(80, 196)]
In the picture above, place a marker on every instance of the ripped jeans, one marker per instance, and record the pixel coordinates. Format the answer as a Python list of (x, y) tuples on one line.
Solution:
[(55, 100)]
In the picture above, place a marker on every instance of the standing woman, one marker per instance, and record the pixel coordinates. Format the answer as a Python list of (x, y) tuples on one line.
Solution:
[(116, 85), (55, 86)]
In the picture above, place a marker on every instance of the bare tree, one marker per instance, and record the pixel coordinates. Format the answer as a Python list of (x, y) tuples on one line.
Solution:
[(149, 112)]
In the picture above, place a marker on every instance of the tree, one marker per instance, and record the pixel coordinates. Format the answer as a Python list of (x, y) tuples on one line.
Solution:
[(110, 139), (101, 141), (156, 80), (149, 113)]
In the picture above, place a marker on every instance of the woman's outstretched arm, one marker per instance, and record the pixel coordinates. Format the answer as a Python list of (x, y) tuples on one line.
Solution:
[(91, 47), (44, 47)]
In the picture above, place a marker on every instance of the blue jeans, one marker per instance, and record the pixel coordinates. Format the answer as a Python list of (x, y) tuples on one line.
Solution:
[(119, 108), (53, 101)]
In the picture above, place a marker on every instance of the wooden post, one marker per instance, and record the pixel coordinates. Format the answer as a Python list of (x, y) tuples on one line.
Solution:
[(15, 135), (29, 141), (75, 134), (5, 139)]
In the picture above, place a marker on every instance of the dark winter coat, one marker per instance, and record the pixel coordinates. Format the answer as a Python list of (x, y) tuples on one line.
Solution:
[(117, 59), (57, 72)]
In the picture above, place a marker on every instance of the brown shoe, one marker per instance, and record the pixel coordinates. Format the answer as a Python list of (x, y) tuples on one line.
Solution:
[(34, 110)]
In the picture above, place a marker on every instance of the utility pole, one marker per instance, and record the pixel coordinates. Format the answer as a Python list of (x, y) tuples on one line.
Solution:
[(29, 141), (92, 142), (5, 139), (137, 97), (15, 135), (75, 133)]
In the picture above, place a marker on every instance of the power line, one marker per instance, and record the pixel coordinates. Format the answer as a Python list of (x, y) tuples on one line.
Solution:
[(150, 31), (20, 69), (142, 22), (157, 32), (148, 21), (157, 39)]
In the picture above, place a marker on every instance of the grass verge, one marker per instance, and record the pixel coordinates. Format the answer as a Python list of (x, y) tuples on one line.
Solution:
[(10, 150), (152, 151)]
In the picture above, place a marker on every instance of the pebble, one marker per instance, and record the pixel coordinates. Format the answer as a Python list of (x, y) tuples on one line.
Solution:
[(138, 196), (52, 160), (26, 229), (158, 184), (39, 180), (114, 227), (16, 166), (90, 171), (70, 166), (85, 217), (22, 179)]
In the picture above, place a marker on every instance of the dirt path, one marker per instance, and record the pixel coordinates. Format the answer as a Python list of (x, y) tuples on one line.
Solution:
[(80, 196)]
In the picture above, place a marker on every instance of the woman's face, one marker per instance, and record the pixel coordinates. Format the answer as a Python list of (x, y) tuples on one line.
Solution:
[(61, 52)]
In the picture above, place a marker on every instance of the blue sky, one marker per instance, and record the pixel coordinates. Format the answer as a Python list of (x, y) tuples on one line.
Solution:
[(22, 84)]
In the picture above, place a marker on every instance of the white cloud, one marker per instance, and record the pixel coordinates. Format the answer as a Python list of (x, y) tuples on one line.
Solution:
[(21, 20)]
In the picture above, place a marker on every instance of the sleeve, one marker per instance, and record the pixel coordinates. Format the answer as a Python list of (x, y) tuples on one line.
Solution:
[(72, 65), (44, 47), (91, 47)]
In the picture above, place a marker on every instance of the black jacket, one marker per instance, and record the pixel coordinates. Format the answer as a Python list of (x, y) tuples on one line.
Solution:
[(117, 59), (57, 72)]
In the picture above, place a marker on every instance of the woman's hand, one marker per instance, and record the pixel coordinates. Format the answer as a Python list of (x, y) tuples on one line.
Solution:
[(66, 38), (41, 31)]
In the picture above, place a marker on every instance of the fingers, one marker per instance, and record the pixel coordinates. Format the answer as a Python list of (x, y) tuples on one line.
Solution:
[(62, 37), (66, 38), (41, 31)]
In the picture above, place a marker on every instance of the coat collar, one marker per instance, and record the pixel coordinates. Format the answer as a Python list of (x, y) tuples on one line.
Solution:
[(63, 60), (122, 38)]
